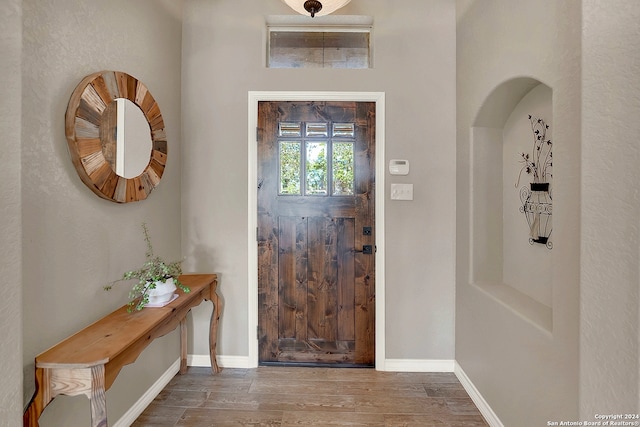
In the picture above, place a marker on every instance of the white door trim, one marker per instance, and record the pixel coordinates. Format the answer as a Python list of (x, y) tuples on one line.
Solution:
[(254, 98)]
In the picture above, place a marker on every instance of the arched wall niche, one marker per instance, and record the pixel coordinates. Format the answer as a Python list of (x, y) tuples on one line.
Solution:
[(499, 104), (503, 263)]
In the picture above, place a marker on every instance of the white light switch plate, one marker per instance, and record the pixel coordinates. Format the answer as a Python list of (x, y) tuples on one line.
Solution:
[(401, 191)]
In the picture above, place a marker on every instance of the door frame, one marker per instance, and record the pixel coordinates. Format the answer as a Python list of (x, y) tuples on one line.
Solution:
[(252, 296)]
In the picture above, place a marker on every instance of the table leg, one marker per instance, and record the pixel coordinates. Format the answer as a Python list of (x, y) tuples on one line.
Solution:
[(183, 346), (39, 401), (213, 332), (98, 397)]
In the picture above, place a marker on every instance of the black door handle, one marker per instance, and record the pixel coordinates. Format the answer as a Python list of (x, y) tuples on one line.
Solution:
[(366, 249)]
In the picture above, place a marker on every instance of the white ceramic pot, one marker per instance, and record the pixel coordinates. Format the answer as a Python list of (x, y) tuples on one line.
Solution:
[(163, 291)]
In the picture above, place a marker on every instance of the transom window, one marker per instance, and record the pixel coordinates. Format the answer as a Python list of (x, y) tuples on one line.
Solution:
[(319, 48), (316, 159)]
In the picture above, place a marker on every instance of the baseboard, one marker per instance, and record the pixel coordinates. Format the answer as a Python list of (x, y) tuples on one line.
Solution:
[(392, 365), (138, 408), (419, 365), (484, 408), (203, 360)]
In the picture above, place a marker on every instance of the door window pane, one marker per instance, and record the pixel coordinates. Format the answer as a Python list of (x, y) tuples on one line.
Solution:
[(290, 167), (345, 130), (317, 129), (342, 161), (290, 129), (316, 168)]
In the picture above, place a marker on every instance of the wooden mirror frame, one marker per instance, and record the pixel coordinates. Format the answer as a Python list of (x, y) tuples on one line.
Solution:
[(82, 126)]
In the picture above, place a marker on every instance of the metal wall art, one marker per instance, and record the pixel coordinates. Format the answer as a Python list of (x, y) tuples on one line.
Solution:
[(536, 198)]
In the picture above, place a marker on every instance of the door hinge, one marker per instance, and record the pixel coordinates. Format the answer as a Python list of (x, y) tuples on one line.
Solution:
[(258, 332), (257, 235)]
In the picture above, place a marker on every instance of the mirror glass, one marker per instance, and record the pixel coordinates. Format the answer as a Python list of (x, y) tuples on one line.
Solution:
[(126, 138)]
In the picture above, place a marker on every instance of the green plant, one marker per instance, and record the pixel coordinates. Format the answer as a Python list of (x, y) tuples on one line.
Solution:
[(153, 270)]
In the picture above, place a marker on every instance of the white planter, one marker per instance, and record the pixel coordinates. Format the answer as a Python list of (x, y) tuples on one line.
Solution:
[(163, 292)]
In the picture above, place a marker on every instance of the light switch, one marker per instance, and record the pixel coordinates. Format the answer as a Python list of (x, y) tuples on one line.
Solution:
[(401, 191)]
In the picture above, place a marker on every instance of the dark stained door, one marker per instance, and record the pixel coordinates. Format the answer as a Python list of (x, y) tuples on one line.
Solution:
[(316, 236)]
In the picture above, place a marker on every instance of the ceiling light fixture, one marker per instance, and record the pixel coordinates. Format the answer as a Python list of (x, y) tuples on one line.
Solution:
[(315, 7)]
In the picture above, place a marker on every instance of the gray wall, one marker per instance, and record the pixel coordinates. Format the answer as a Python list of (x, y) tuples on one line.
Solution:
[(610, 277), (527, 374), (73, 241), (414, 64), (10, 219), (587, 363)]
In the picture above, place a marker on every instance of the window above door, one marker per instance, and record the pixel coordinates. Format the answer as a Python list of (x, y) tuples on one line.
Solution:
[(311, 47)]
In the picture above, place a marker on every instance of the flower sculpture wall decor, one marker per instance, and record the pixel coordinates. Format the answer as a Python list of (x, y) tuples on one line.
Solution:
[(536, 198)]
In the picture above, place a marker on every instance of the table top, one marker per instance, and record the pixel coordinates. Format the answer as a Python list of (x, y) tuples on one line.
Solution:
[(103, 340)]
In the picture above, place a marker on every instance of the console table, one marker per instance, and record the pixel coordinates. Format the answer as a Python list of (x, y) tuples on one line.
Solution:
[(88, 362)]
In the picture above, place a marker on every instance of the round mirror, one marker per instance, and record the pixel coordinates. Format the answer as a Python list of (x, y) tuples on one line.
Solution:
[(116, 136)]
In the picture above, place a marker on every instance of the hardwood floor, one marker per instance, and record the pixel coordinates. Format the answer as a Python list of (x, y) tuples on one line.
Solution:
[(296, 396)]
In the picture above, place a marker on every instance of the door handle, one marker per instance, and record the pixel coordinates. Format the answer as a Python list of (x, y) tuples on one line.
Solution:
[(366, 250)]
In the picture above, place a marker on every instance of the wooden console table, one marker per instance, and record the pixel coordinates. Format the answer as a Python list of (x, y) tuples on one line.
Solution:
[(89, 361)]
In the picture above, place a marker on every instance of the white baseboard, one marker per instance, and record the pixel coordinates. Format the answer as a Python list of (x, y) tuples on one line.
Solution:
[(392, 365), (484, 408), (419, 365), (203, 360), (138, 408)]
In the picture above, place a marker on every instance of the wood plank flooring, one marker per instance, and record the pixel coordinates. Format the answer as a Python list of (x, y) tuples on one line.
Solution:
[(296, 396)]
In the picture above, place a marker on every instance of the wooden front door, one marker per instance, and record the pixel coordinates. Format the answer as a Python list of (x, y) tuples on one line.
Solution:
[(316, 236)]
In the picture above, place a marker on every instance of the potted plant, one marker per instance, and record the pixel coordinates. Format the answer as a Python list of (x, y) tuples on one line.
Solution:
[(156, 279)]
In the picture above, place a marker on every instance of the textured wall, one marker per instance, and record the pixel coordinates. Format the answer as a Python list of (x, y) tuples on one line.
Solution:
[(414, 64), (527, 375), (590, 62), (73, 241), (10, 220), (611, 207)]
